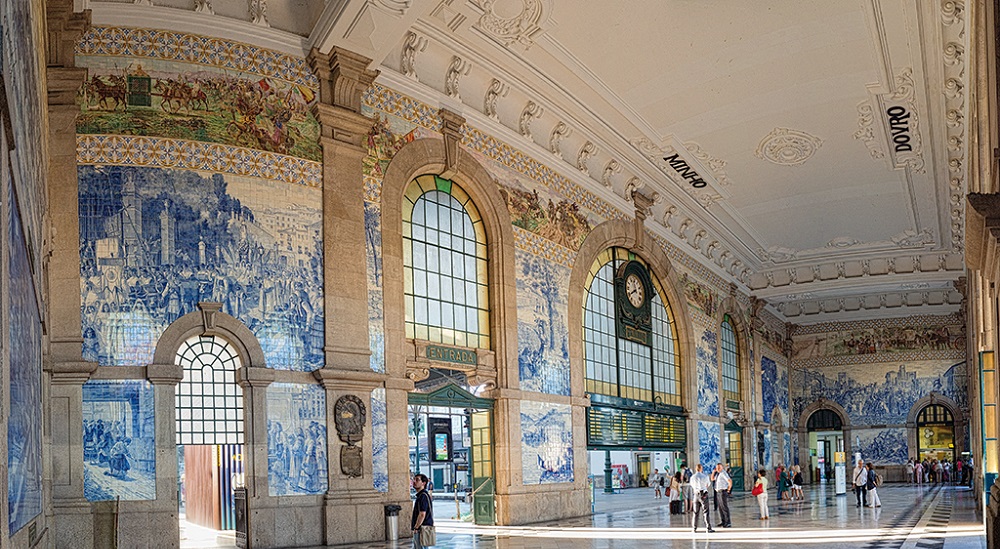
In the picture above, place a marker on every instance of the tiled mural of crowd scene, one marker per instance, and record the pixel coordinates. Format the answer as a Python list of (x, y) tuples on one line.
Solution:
[(881, 446), (296, 439), (707, 353), (24, 425), (154, 242), (547, 443), (119, 450), (709, 443), (543, 338), (774, 390), (883, 395), (380, 442), (888, 339)]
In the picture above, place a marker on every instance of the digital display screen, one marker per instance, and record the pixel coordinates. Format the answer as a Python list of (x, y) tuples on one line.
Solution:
[(442, 450)]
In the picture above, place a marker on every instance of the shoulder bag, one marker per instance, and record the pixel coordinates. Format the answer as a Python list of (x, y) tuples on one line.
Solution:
[(758, 489), (428, 536)]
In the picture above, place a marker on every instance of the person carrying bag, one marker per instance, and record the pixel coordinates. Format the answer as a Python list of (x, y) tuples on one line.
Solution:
[(422, 519)]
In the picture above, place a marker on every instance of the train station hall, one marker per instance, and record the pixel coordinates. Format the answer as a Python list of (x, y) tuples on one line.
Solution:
[(499, 274)]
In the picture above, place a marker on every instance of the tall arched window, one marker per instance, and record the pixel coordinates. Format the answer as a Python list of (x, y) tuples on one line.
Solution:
[(209, 401), (444, 265), (732, 381), (618, 365)]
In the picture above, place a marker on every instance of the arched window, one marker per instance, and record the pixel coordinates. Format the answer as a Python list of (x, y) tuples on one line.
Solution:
[(444, 265), (209, 401), (732, 381), (621, 366), (935, 414), (824, 420)]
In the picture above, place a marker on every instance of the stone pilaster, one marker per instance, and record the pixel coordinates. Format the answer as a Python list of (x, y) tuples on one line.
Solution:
[(343, 78)]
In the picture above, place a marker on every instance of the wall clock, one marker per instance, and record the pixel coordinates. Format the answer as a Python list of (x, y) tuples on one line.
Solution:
[(633, 288)]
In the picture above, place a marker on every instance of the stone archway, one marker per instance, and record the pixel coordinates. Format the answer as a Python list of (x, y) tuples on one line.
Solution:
[(959, 422), (803, 432)]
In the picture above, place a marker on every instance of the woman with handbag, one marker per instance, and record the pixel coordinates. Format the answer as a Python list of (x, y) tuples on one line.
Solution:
[(760, 490), (422, 519)]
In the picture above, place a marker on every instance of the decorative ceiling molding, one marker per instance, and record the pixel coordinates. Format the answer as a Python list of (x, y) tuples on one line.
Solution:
[(496, 90), (203, 6), (458, 68), (954, 36), (558, 133), (610, 170), (588, 151), (395, 7), (866, 129), (695, 179), (530, 111), (787, 147), (411, 45), (258, 13), (716, 165)]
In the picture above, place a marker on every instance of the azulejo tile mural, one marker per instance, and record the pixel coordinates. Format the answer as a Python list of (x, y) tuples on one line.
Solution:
[(155, 242), (881, 446), (859, 339), (883, 395), (24, 426), (546, 442), (539, 210), (700, 296), (709, 443), (296, 439), (380, 442), (376, 324), (706, 356), (774, 390), (119, 445), (542, 335), (788, 449)]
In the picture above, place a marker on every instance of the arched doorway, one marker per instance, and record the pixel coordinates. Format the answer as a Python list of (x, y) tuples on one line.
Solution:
[(826, 436), (936, 433)]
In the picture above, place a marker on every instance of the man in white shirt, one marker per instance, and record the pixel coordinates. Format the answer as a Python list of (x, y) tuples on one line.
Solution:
[(860, 481), (700, 485), (723, 488)]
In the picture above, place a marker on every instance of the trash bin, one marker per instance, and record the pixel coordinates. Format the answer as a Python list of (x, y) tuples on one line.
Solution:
[(392, 522)]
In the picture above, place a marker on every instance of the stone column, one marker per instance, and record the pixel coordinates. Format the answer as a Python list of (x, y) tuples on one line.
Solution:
[(261, 518), (343, 78), (70, 513)]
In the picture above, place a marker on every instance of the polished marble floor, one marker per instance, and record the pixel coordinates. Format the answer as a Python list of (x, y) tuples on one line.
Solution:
[(910, 518)]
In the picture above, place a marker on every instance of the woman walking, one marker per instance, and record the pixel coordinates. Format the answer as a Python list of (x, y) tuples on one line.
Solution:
[(762, 495), (872, 486)]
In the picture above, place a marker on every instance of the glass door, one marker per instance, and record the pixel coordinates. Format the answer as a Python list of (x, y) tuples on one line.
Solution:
[(483, 487)]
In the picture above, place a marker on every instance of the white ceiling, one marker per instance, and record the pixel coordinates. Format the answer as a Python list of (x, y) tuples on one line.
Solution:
[(837, 228)]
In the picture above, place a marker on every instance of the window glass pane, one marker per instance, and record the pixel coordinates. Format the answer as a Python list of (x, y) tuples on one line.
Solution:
[(208, 391)]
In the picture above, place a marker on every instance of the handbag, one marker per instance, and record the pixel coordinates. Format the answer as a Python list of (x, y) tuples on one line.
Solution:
[(758, 489), (428, 536)]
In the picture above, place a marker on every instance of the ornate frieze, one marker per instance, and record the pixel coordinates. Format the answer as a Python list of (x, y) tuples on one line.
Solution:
[(531, 111), (496, 90), (411, 45), (558, 133), (612, 168), (458, 68), (588, 151)]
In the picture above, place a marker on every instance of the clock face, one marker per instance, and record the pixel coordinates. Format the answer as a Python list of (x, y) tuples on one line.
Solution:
[(635, 291)]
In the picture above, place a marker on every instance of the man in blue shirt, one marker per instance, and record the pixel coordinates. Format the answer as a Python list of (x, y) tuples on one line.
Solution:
[(699, 485), (723, 488), (423, 509)]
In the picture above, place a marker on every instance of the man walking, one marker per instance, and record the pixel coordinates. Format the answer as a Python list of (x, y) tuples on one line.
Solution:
[(860, 481), (723, 489), (699, 485)]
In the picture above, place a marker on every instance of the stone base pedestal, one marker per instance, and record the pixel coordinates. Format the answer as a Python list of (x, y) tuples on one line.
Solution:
[(73, 524), (354, 518), (291, 522), (528, 508)]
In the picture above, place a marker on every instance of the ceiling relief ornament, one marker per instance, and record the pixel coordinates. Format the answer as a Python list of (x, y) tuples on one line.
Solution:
[(866, 129), (787, 147), (612, 168), (531, 111), (903, 124), (691, 174), (203, 6), (911, 239), (842, 242), (588, 151), (496, 90), (396, 7), (258, 13), (458, 68), (511, 21), (411, 45)]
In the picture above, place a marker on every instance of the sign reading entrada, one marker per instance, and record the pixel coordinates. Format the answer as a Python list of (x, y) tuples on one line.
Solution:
[(448, 354), (684, 170)]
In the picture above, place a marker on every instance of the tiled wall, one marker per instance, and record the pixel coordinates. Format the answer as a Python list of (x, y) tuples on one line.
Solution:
[(380, 442), (119, 450), (881, 446), (707, 352), (296, 439), (24, 426), (709, 443), (547, 442), (542, 334), (774, 390)]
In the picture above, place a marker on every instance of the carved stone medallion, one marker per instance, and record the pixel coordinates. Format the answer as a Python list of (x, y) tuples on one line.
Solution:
[(787, 147), (349, 417)]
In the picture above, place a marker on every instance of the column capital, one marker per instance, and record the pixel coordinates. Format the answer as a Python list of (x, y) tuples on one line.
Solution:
[(348, 380), (342, 127), (164, 374), (248, 376), (70, 372), (65, 27), (343, 77)]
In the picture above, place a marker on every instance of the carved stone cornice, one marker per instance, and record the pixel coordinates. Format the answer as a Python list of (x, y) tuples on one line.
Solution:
[(249, 376), (341, 126), (164, 374), (332, 378), (343, 77), (982, 234), (70, 372)]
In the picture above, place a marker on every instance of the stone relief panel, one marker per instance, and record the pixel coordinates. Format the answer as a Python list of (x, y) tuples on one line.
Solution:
[(24, 425), (701, 298), (119, 446), (542, 334), (547, 442), (881, 446), (380, 442), (154, 242), (706, 353), (880, 395), (296, 439), (774, 389), (709, 444)]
